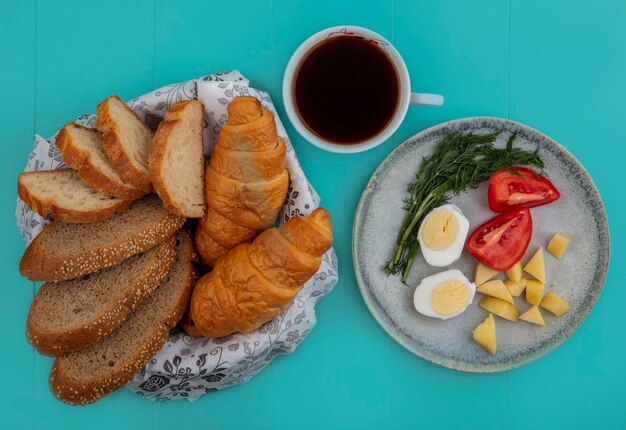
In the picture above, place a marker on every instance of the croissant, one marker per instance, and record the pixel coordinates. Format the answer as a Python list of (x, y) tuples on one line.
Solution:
[(254, 282), (245, 182)]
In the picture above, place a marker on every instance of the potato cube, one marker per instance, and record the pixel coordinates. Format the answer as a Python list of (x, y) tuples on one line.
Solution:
[(553, 303), (483, 274), (495, 288), (485, 334), (515, 288), (533, 315), (515, 273), (500, 308), (558, 245), (534, 291), (535, 266)]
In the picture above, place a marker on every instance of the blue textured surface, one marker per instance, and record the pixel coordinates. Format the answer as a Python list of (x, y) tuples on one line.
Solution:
[(558, 66)]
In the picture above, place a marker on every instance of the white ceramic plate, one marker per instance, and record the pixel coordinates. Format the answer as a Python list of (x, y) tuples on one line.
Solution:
[(578, 277)]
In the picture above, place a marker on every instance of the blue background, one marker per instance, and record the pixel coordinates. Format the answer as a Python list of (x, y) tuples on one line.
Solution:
[(558, 66)]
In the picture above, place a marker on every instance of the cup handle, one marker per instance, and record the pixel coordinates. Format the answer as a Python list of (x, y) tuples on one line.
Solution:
[(424, 99)]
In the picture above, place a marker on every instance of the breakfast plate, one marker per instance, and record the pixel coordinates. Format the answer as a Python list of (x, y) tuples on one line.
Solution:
[(578, 277)]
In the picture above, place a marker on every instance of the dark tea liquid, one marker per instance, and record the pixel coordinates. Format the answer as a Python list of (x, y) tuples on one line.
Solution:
[(346, 89)]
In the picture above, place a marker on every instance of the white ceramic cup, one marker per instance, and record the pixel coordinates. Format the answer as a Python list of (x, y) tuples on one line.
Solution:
[(406, 96)]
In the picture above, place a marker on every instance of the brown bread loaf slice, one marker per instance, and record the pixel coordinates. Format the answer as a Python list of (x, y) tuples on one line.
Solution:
[(71, 315), (84, 376), (126, 142), (66, 251), (82, 149), (65, 196), (176, 162)]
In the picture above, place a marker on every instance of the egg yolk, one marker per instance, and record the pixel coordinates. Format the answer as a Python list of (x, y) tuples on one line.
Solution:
[(440, 229), (449, 297)]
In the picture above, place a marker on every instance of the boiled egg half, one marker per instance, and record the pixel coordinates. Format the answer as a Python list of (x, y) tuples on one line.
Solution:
[(444, 295), (442, 235)]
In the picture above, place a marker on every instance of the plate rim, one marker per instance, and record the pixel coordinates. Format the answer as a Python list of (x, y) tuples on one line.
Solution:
[(559, 339)]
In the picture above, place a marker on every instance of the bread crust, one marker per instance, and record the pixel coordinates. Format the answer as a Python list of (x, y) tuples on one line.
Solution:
[(189, 327), (246, 166), (257, 135), (245, 182), (65, 214), (250, 298), (80, 161), (74, 392), (39, 264), (206, 312), (224, 231), (281, 261), (253, 283), (57, 342), (114, 148), (156, 161), (208, 249), (83, 392), (254, 205)]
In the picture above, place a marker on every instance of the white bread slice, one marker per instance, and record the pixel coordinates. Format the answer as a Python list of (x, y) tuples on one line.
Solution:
[(82, 149), (66, 251), (65, 196), (84, 376), (126, 141), (176, 163), (71, 315)]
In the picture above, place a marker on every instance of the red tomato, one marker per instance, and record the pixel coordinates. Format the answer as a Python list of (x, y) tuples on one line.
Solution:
[(519, 187), (502, 241)]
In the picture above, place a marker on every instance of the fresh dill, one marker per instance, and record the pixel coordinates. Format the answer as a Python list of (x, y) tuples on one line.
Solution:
[(459, 161)]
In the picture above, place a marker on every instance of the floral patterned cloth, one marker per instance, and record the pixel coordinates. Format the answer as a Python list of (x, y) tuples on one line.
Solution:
[(187, 367)]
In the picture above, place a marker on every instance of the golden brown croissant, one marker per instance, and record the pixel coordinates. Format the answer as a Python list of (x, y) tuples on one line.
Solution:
[(254, 282), (245, 182)]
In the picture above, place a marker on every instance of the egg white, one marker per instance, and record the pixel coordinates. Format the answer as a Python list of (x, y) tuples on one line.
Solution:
[(445, 257), (421, 297)]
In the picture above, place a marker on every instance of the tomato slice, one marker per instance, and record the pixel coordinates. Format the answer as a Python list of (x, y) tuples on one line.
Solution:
[(502, 241), (519, 187)]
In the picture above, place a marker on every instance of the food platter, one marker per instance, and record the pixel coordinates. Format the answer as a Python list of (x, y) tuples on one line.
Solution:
[(183, 365), (578, 277)]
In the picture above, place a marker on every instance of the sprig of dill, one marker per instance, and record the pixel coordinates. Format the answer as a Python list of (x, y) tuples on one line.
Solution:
[(460, 161)]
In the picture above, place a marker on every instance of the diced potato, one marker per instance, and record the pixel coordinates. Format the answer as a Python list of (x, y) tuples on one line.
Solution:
[(535, 266), (515, 273), (515, 288), (483, 274), (553, 303), (558, 245), (533, 315), (500, 308), (534, 291), (485, 334), (495, 288)]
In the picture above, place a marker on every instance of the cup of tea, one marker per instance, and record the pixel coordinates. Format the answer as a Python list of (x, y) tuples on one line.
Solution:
[(346, 89)]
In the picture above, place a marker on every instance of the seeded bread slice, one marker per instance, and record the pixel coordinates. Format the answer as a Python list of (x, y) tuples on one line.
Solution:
[(176, 163), (66, 251), (84, 376), (82, 149), (71, 315), (126, 141), (65, 196)]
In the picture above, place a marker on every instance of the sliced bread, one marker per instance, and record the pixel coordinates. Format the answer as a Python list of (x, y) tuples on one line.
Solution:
[(71, 315), (84, 376), (82, 149), (126, 141), (66, 251), (176, 162), (65, 196)]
